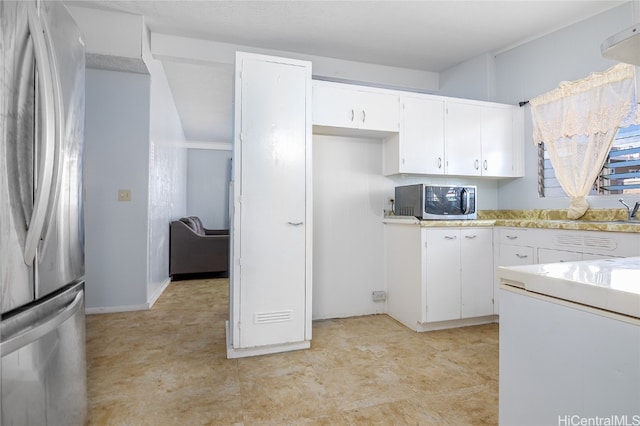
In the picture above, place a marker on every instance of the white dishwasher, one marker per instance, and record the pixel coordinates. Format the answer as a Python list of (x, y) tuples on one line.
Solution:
[(570, 343)]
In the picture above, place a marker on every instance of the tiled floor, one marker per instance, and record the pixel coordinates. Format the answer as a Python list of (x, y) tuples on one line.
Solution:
[(167, 366)]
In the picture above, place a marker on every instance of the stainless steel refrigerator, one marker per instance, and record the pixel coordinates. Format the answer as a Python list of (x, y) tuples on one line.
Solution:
[(42, 331)]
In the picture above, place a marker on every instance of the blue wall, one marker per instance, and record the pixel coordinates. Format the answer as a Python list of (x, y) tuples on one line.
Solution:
[(116, 156), (539, 66), (208, 175), (527, 71)]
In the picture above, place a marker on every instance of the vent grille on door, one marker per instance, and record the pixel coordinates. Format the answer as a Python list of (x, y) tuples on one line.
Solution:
[(602, 243), (579, 241), (271, 317)]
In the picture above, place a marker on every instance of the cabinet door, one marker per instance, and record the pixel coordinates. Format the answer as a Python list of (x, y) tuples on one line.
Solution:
[(341, 106), (476, 272), (335, 107), (462, 147), (403, 270), (443, 274), (422, 136), (270, 279), (497, 143), (377, 111)]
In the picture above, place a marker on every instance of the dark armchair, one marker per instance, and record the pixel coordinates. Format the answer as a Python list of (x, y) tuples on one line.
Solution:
[(195, 249)]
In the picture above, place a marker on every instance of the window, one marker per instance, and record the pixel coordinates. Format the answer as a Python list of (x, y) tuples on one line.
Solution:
[(620, 174)]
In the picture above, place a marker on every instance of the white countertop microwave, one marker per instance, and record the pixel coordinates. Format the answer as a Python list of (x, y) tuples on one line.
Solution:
[(436, 202)]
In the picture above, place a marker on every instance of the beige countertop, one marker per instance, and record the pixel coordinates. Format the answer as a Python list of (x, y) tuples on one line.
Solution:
[(610, 220)]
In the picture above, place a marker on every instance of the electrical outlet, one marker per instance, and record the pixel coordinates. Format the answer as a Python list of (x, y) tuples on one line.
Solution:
[(378, 296), (124, 195)]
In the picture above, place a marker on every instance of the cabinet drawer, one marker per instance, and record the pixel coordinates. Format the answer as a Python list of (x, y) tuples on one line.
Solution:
[(513, 255), (555, 256), (515, 236)]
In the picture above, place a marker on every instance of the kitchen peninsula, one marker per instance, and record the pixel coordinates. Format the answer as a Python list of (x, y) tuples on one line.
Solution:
[(441, 273), (570, 341)]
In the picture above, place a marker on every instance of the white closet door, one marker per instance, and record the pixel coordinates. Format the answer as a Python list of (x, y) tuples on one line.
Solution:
[(272, 206)]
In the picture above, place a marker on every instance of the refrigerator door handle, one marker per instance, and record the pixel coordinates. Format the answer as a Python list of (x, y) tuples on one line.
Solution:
[(59, 120), (45, 172), (18, 341)]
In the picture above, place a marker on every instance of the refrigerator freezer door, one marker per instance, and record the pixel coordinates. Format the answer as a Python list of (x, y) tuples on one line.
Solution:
[(43, 370), (17, 121), (61, 254)]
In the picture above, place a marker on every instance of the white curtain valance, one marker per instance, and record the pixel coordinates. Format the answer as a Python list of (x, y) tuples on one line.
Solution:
[(595, 104), (578, 122)]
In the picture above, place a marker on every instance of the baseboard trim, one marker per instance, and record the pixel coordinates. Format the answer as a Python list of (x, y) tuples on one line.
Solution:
[(116, 309), (262, 350), (442, 325), (156, 296), (129, 308)]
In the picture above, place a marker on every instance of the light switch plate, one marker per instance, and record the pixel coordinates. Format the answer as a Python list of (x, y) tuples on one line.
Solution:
[(124, 195)]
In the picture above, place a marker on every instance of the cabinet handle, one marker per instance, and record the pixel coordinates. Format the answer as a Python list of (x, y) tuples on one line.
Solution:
[(439, 162), (522, 256), (364, 116), (512, 237), (449, 237), (484, 164), (353, 114), (295, 223), (476, 164), (470, 237)]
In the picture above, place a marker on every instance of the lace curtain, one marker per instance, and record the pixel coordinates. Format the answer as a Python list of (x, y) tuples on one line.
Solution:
[(578, 122)]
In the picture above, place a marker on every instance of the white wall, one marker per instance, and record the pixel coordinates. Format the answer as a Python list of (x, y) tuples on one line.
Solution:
[(208, 176), (191, 50), (167, 176), (110, 33), (473, 79), (349, 198), (116, 156)]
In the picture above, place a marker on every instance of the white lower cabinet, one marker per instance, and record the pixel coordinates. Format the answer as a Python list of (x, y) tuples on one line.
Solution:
[(527, 246), (476, 271), (443, 264), (270, 281), (459, 269), (439, 277)]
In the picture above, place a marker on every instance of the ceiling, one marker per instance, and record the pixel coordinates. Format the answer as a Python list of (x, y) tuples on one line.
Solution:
[(429, 35)]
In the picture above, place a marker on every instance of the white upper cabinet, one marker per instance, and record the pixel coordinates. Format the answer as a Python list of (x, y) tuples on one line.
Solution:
[(458, 137), (425, 134), (463, 145), (419, 147), (355, 107), (484, 139), (499, 141)]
